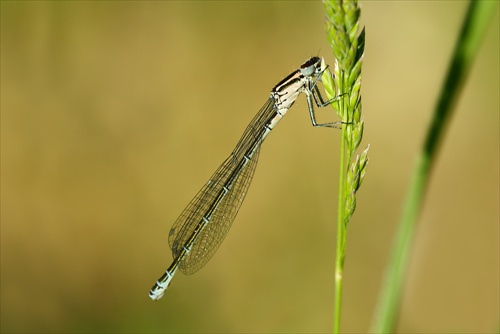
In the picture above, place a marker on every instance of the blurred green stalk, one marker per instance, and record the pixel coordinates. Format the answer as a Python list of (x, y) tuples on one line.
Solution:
[(474, 26)]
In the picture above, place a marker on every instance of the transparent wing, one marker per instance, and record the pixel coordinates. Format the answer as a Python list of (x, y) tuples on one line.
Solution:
[(235, 174), (222, 218)]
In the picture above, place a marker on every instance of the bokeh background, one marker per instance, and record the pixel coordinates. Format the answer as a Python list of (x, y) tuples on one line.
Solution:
[(114, 114)]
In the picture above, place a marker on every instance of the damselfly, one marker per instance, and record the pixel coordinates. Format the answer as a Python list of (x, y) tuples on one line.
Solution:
[(204, 223)]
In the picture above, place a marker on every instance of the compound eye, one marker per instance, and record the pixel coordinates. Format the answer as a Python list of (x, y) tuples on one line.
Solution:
[(311, 66), (308, 71)]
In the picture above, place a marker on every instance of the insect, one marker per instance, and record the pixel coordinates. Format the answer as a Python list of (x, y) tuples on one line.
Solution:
[(204, 223)]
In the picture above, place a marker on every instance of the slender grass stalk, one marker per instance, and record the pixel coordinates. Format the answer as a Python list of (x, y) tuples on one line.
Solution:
[(473, 29), (342, 24)]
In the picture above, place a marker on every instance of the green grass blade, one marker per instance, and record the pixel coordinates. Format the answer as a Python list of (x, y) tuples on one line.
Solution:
[(473, 28)]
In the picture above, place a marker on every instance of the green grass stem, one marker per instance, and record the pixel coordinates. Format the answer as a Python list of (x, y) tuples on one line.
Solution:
[(339, 255), (342, 23), (473, 28)]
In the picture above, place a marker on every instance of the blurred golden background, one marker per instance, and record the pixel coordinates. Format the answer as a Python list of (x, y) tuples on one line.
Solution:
[(114, 114)]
